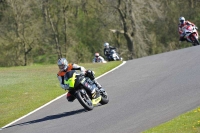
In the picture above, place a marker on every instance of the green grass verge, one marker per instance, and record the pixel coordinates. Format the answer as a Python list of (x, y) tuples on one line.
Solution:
[(23, 89), (185, 123)]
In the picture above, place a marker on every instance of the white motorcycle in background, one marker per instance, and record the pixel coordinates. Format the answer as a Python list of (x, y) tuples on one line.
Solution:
[(114, 56), (191, 34)]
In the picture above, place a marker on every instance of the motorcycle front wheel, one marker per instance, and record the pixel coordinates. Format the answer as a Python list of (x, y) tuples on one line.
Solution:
[(104, 97), (194, 40), (84, 99)]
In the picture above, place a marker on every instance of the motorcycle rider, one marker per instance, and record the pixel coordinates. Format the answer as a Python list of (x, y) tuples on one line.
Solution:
[(65, 67), (98, 59), (181, 27), (107, 50)]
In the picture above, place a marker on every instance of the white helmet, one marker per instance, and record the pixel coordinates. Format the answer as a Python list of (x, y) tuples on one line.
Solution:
[(96, 54), (106, 44), (181, 20), (62, 64)]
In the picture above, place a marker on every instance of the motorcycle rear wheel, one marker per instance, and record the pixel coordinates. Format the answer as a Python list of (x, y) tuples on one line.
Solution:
[(84, 100)]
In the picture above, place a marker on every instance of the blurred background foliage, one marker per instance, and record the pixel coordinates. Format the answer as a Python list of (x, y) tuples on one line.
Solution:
[(41, 31)]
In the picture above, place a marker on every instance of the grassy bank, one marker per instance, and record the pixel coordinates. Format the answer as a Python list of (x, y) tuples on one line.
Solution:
[(23, 89), (185, 123)]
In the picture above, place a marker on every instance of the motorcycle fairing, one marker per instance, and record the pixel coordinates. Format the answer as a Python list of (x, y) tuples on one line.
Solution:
[(88, 84), (96, 101), (188, 31), (70, 78)]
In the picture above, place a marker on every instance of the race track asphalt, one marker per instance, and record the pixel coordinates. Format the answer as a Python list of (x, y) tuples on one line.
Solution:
[(143, 93)]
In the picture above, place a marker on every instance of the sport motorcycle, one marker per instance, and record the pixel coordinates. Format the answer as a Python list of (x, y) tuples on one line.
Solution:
[(114, 56), (81, 86), (191, 34)]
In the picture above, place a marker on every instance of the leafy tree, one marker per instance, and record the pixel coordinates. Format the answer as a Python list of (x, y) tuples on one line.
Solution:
[(19, 31), (132, 16), (41, 31)]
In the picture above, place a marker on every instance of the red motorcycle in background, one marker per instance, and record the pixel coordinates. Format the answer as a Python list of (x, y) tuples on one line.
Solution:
[(191, 34)]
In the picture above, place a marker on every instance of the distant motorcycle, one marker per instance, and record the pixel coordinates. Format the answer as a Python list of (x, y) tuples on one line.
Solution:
[(114, 56), (81, 86), (191, 34)]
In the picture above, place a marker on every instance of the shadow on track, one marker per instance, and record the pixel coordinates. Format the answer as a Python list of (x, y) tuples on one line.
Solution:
[(50, 117)]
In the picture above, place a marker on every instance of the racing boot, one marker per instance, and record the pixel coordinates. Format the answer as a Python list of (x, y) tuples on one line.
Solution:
[(70, 97), (96, 97)]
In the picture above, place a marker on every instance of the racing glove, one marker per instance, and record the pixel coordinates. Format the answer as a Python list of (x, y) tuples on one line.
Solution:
[(90, 74)]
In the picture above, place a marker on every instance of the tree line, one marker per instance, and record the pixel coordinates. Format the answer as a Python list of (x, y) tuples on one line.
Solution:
[(42, 31)]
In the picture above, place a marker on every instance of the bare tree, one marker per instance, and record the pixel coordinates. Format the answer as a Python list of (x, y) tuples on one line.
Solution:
[(52, 12), (21, 31), (57, 13), (133, 14)]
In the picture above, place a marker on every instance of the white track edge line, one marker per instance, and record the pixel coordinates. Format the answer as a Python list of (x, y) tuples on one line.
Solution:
[(56, 99)]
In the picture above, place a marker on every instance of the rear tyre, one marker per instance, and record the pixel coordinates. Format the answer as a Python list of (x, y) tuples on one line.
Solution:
[(84, 100)]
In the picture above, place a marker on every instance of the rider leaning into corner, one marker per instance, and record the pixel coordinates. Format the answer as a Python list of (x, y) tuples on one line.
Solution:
[(181, 25), (107, 50), (65, 67)]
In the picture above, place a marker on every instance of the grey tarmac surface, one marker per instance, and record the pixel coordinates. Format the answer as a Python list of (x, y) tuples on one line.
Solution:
[(143, 93)]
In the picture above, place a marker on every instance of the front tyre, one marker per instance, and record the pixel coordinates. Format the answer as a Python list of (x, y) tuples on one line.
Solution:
[(194, 40), (197, 41), (84, 99), (104, 97)]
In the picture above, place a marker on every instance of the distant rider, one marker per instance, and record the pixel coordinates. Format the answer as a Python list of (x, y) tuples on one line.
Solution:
[(182, 25), (65, 67), (107, 50), (98, 59)]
